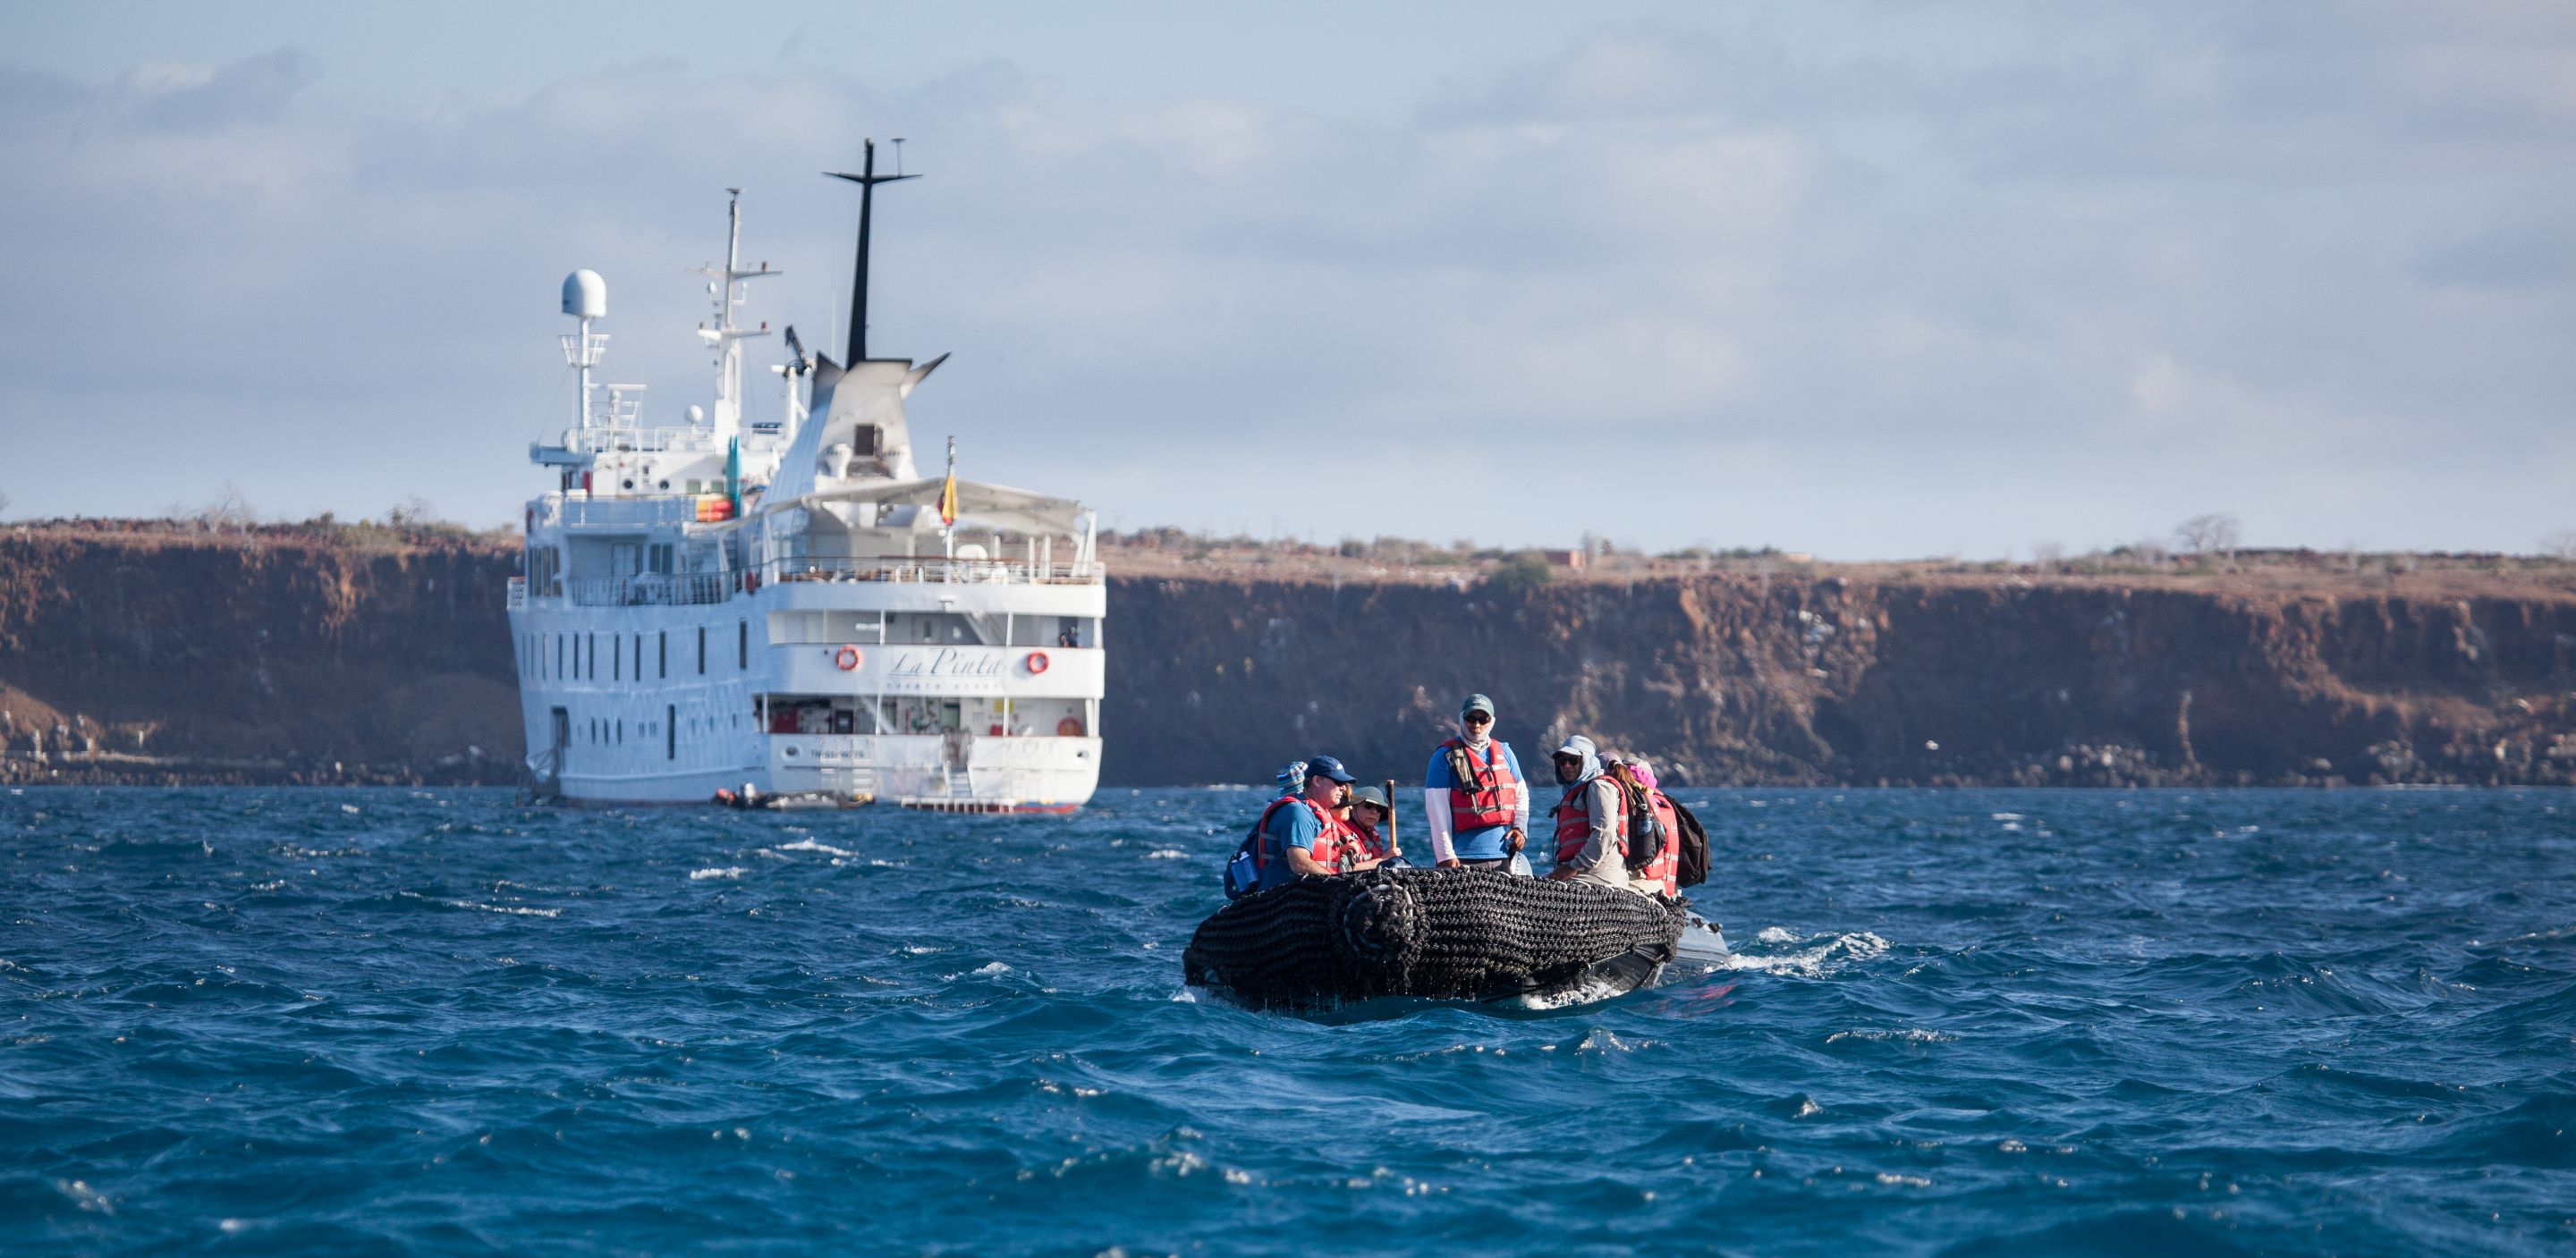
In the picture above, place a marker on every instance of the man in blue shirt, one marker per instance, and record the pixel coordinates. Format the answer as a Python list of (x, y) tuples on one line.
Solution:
[(1303, 837), (1474, 795)]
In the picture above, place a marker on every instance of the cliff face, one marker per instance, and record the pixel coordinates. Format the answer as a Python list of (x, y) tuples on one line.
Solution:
[(285, 658), (258, 658), (1738, 680)]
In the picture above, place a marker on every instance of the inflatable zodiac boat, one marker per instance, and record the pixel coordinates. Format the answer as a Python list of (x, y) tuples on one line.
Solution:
[(1442, 934)]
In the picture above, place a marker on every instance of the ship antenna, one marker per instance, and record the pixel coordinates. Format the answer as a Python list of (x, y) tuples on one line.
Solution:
[(867, 179)]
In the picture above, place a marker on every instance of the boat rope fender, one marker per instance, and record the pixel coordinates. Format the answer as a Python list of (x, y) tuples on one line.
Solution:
[(848, 658), (1037, 662)]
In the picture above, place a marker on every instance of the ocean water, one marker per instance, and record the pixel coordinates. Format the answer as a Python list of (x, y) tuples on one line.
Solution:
[(430, 1022)]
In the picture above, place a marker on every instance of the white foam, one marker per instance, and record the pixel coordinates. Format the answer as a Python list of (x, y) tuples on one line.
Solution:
[(1167, 854), (992, 968), (349, 808), (730, 871), (809, 845), (1911, 1035), (511, 909), (1807, 962)]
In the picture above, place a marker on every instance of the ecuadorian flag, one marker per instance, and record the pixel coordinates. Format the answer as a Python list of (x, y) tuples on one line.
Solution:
[(948, 500)]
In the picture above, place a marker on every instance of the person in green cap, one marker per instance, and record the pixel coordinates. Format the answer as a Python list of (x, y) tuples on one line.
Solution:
[(1370, 845), (1475, 795)]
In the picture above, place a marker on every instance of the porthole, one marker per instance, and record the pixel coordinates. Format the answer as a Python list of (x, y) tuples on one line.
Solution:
[(630, 484), (666, 485)]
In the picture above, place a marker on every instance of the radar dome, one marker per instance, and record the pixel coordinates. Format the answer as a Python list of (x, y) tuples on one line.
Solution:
[(585, 295), (697, 414)]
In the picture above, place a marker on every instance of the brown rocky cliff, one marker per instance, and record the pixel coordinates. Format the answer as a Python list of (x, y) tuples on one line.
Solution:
[(287, 657), (391, 661), (1734, 679)]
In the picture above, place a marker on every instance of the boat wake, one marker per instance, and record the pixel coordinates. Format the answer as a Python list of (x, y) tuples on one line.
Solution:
[(1778, 950)]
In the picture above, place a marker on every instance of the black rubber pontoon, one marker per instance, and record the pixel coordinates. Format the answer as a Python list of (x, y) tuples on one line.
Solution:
[(1446, 934)]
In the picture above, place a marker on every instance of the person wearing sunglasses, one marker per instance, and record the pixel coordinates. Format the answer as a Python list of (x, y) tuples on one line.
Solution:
[(1475, 797)]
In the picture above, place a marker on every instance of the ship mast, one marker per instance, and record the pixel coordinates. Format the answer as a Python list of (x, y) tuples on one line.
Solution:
[(724, 285), (867, 179)]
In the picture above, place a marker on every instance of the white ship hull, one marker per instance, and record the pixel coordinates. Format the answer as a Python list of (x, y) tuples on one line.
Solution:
[(669, 704)]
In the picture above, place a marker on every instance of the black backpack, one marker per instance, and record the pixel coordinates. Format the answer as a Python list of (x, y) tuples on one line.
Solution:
[(1692, 868)]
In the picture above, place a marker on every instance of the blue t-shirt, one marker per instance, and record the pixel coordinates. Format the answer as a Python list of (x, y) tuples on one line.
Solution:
[(1491, 842), (1292, 824)]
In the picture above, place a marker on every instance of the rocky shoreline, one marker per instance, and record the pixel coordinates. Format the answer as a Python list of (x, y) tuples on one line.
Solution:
[(148, 652)]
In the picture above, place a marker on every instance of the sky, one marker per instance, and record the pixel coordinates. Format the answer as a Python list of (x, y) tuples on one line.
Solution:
[(1864, 280)]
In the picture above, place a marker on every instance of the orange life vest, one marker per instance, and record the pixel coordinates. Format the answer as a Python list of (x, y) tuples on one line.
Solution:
[(1574, 823), (1493, 797), (1363, 844), (1667, 861)]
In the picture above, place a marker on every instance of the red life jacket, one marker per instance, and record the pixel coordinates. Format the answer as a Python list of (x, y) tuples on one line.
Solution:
[(1494, 796), (1364, 844), (1668, 861), (1330, 845), (1574, 822)]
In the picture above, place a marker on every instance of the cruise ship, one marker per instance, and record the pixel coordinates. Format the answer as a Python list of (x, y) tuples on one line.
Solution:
[(788, 607)]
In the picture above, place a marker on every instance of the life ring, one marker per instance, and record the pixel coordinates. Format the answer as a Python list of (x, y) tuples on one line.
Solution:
[(1037, 662), (1069, 727), (848, 658)]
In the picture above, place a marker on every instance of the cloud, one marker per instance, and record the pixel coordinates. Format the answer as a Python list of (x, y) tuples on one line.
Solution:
[(1859, 281)]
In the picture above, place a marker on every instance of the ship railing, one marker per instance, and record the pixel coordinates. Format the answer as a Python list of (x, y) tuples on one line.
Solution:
[(931, 570), (626, 436), (518, 597), (652, 589), (627, 512)]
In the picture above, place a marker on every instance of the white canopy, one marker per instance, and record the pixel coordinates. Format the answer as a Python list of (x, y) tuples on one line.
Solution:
[(988, 505)]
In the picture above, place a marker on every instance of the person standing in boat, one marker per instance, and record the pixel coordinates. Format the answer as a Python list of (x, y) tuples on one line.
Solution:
[(1304, 836), (1474, 795), (1591, 819)]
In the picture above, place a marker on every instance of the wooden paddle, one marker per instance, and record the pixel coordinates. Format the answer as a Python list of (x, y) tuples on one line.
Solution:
[(1394, 850)]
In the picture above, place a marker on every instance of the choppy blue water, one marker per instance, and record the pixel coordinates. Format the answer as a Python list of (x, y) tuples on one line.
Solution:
[(285, 1022)]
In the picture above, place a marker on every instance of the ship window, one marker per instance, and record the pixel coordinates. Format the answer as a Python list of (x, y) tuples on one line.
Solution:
[(639, 657), (594, 656), (558, 656), (922, 629), (659, 553), (702, 650), (864, 441), (742, 643), (662, 654), (621, 730), (670, 732), (616, 661)]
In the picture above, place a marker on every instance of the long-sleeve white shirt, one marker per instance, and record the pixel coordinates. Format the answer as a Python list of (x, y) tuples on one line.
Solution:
[(1435, 809)]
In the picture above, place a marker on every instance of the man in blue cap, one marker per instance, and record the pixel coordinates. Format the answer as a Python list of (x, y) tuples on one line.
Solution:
[(1474, 795), (1303, 837)]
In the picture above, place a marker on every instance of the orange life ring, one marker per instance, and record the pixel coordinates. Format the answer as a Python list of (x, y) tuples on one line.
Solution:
[(848, 658), (1069, 727), (1037, 662)]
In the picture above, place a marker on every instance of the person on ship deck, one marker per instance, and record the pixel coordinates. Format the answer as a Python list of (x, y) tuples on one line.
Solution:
[(1474, 796)]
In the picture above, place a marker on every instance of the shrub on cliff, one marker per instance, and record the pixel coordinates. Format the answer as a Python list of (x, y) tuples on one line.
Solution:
[(1524, 570)]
